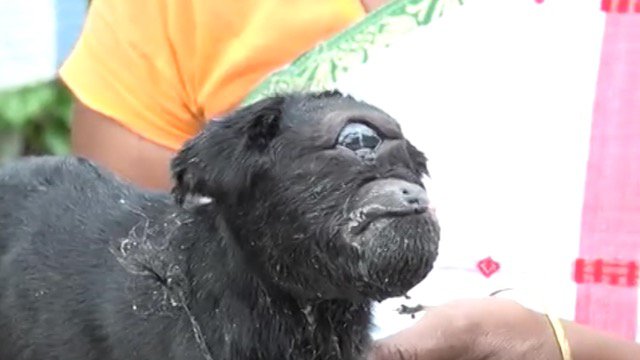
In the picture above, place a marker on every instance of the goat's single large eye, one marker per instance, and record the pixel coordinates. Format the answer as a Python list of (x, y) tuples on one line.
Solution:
[(356, 136)]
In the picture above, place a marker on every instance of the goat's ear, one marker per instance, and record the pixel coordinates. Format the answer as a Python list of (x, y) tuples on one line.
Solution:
[(263, 124), (189, 171), (223, 159)]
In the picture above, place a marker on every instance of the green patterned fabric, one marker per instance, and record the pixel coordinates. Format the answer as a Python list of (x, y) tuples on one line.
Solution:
[(321, 67)]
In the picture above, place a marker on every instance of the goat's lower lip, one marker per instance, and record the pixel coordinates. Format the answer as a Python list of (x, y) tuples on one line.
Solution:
[(363, 217)]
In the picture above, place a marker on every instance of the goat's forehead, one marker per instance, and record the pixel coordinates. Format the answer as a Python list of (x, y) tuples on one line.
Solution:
[(319, 106), (303, 111)]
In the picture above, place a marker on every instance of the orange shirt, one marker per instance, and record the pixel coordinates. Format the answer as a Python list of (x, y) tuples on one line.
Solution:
[(163, 67)]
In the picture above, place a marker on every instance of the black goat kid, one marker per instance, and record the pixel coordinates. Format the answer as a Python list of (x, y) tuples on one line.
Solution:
[(288, 219)]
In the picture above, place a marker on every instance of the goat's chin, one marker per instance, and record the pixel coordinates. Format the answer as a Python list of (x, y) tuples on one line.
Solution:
[(386, 259), (396, 254)]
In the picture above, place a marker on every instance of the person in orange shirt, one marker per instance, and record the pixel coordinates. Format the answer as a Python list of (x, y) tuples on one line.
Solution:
[(147, 74)]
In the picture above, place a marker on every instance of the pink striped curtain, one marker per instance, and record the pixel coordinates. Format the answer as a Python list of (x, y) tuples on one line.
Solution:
[(610, 240)]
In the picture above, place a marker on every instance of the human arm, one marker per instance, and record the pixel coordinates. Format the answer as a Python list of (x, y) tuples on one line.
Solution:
[(371, 5), (590, 344), (104, 141), (496, 329)]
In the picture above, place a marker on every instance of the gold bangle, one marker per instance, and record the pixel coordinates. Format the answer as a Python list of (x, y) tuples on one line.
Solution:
[(561, 337)]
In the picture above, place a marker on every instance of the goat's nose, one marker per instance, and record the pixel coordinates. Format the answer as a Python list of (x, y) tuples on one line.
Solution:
[(413, 195)]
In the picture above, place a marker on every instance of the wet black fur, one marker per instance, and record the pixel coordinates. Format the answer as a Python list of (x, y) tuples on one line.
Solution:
[(93, 268)]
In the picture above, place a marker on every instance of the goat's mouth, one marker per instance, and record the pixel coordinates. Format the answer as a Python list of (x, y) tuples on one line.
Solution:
[(396, 247), (360, 219)]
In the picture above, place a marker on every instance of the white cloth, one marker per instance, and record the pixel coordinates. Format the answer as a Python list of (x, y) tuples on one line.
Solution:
[(499, 95)]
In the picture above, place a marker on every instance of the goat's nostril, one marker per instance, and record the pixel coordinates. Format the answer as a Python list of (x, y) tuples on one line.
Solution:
[(414, 197)]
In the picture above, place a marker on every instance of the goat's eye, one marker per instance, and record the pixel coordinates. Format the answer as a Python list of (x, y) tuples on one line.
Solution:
[(356, 136)]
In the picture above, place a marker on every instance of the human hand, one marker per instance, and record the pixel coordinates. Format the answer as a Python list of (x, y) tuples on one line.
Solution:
[(491, 328)]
